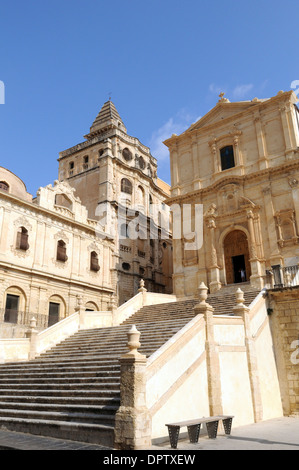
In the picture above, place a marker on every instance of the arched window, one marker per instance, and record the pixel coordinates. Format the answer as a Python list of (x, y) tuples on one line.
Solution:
[(61, 251), (94, 262), (126, 186), (22, 239), (227, 157), (4, 186), (140, 196)]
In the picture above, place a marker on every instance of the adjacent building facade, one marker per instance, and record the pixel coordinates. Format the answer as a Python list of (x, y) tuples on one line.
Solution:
[(115, 177), (90, 237), (240, 161), (50, 255)]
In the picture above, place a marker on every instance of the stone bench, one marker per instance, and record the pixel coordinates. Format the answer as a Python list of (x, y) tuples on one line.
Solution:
[(193, 427)]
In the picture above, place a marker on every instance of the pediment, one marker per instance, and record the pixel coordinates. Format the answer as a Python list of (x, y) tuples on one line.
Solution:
[(222, 111)]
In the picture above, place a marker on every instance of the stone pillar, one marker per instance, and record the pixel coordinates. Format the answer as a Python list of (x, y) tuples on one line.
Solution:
[(261, 141), (215, 283), (213, 364), (256, 278), (32, 335), (132, 420), (241, 310)]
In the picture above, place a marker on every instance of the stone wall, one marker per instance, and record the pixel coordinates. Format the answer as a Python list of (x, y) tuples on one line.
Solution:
[(284, 309)]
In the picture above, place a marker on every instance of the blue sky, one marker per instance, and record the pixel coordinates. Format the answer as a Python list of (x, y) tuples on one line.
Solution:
[(164, 63)]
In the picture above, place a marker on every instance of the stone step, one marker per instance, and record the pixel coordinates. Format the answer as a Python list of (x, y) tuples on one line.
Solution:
[(59, 392), (77, 431), (84, 417), (63, 408), (48, 385), (62, 400), (72, 391)]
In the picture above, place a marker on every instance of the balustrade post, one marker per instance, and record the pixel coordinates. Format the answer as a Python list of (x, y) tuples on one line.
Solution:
[(132, 420), (31, 334)]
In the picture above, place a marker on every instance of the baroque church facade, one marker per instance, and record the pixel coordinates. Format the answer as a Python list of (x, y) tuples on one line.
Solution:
[(240, 162)]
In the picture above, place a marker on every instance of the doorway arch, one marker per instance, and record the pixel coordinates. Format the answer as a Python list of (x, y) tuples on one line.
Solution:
[(236, 256)]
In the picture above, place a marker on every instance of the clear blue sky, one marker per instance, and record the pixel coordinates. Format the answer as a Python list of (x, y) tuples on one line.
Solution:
[(164, 61)]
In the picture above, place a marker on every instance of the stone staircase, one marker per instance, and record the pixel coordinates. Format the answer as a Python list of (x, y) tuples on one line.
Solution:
[(72, 391)]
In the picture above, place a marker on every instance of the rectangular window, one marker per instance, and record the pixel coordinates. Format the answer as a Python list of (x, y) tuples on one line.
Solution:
[(11, 308), (227, 157), (53, 313)]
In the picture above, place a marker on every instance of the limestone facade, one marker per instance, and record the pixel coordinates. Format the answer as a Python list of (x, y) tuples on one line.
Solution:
[(115, 177), (51, 257), (240, 163)]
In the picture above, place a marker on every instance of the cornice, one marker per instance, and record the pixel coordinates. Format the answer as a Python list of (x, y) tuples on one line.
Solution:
[(285, 167), (51, 214), (252, 106), (55, 277)]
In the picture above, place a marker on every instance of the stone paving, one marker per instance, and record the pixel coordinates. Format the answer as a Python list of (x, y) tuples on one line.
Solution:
[(276, 434)]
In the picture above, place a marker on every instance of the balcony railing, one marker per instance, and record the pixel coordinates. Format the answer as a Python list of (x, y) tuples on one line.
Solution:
[(280, 276), (23, 318)]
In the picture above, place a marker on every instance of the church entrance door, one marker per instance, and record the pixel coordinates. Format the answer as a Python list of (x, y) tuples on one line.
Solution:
[(236, 254)]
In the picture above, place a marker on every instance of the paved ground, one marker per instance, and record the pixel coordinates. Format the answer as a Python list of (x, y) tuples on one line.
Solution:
[(277, 434)]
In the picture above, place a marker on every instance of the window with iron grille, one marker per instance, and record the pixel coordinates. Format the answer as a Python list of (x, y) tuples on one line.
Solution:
[(61, 251), (126, 186), (4, 186), (22, 239), (227, 157), (94, 262)]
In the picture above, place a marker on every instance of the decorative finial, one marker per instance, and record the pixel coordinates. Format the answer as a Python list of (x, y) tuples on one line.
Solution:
[(222, 99)]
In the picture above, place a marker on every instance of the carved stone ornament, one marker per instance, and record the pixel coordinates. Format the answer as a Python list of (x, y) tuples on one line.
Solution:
[(293, 182), (61, 236), (23, 222)]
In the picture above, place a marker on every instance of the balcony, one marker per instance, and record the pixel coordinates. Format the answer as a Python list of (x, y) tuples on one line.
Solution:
[(279, 277), (18, 317)]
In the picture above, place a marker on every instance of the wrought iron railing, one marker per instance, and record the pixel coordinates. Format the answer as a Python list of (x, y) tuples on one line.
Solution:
[(279, 276), (23, 318)]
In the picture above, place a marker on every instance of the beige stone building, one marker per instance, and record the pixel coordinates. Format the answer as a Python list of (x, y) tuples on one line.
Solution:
[(240, 161), (50, 255), (115, 177)]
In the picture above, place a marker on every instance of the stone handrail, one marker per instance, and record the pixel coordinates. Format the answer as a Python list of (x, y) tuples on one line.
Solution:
[(167, 365), (22, 349)]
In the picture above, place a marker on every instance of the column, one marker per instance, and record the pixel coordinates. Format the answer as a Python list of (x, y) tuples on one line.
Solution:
[(196, 175), (275, 255), (256, 275), (261, 142), (215, 283), (286, 131)]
